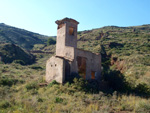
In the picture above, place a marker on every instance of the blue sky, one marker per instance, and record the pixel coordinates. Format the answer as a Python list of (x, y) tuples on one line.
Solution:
[(40, 15)]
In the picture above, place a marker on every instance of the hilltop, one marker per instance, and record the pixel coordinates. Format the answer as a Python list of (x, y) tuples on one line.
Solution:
[(20, 37)]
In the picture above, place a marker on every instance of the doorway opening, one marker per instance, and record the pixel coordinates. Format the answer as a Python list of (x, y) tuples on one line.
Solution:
[(81, 66), (92, 74), (67, 70)]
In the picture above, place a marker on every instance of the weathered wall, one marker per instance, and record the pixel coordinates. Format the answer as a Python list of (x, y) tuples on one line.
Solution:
[(55, 69), (60, 43), (65, 62), (67, 53), (71, 40), (93, 63)]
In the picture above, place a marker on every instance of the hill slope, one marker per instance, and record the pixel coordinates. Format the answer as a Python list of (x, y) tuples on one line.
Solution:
[(128, 49), (122, 49), (11, 52), (21, 37)]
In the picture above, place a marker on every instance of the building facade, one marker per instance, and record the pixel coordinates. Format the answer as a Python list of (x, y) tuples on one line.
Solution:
[(69, 59)]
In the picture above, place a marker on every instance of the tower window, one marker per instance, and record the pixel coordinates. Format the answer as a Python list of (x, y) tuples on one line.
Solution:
[(93, 75), (71, 31)]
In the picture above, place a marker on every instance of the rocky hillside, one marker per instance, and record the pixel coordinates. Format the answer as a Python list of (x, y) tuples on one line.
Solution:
[(20, 37), (11, 53), (126, 73), (127, 50)]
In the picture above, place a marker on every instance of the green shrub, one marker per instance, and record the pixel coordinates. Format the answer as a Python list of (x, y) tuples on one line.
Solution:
[(4, 104), (51, 41), (143, 107), (7, 81), (58, 100), (19, 62), (79, 32), (142, 88), (36, 67), (79, 84), (88, 86), (52, 83), (116, 79), (32, 85), (40, 100)]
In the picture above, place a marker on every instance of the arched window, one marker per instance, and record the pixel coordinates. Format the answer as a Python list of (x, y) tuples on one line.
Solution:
[(71, 31)]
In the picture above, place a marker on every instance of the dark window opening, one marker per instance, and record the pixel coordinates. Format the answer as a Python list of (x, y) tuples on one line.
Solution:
[(67, 70), (71, 31), (81, 66), (92, 74)]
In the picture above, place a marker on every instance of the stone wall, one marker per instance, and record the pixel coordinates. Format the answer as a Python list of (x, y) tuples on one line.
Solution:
[(55, 69), (67, 53), (68, 58), (60, 43), (93, 63)]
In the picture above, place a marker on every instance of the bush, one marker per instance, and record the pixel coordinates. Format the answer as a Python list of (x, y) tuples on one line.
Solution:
[(52, 83), (90, 86), (79, 84), (143, 88), (36, 67), (143, 107), (51, 41), (73, 75), (32, 85), (7, 81), (116, 80), (19, 62), (40, 100), (4, 104), (58, 100)]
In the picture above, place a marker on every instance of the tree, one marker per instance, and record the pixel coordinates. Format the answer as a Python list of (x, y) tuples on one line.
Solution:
[(51, 41)]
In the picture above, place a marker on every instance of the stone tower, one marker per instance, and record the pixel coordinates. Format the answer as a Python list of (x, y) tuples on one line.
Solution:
[(66, 34), (69, 60)]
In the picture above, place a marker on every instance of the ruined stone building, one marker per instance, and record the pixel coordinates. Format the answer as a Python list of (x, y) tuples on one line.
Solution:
[(69, 59)]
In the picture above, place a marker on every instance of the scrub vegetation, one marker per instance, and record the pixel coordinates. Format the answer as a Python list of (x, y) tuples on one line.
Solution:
[(125, 86)]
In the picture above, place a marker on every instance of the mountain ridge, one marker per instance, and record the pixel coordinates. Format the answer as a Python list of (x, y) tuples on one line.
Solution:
[(24, 38)]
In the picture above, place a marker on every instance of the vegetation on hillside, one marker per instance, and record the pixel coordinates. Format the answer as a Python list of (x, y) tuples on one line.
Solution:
[(11, 53), (51, 41), (125, 64), (125, 50), (21, 37)]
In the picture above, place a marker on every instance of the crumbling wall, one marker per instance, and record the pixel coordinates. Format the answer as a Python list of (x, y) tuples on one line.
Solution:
[(68, 58), (55, 69), (71, 35), (60, 43), (67, 53), (93, 63)]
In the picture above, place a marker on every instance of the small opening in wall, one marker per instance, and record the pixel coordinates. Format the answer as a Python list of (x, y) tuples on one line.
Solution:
[(71, 31), (51, 65), (55, 65), (81, 61), (92, 74)]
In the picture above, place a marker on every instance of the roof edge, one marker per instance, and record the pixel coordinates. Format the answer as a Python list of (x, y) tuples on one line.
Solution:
[(66, 20)]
